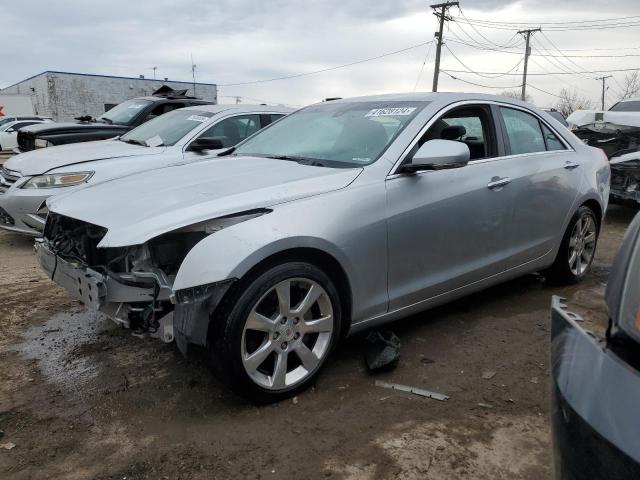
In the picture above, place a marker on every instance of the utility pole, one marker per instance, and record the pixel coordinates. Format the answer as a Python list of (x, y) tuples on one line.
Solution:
[(604, 79), (154, 72), (441, 10), (193, 74), (527, 52)]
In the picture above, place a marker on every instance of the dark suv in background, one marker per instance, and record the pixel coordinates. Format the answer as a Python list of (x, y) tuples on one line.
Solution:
[(115, 122)]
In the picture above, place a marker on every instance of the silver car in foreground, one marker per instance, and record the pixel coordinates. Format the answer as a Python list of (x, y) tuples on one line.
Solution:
[(181, 136), (340, 217)]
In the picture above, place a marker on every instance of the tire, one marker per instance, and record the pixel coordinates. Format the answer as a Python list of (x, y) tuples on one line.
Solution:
[(566, 268), (254, 330)]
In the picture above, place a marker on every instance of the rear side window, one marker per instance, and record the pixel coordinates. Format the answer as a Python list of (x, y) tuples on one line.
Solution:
[(552, 140), (523, 131), (233, 130)]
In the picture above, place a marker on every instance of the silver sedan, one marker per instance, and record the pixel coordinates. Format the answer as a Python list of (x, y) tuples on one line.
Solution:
[(181, 136), (342, 216)]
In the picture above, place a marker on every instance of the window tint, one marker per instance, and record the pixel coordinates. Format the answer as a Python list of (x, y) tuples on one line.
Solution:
[(553, 142), (233, 130), (523, 131)]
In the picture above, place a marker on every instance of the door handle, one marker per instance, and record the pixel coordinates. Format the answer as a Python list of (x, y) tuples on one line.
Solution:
[(571, 165), (501, 182)]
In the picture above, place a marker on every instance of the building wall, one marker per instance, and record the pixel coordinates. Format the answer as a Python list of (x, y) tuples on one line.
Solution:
[(64, 96)]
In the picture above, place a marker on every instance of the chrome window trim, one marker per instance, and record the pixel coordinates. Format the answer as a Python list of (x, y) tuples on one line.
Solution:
[(568, 147)]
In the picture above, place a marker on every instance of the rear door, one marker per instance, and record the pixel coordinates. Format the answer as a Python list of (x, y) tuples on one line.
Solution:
[(545, 176)]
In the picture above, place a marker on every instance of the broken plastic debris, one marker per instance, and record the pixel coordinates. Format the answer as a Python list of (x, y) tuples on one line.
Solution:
[(416, 391), (383, 351), (8, 445), (488, 374), (485, 405)]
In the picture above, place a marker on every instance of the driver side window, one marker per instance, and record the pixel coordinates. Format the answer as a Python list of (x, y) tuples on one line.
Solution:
[(233, 130), (471, 125)]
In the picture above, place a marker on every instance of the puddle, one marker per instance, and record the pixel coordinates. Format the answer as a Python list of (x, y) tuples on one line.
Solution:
[(59, 347)]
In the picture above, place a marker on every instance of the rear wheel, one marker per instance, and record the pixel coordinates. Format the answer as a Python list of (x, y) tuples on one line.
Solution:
[(277, 333), (578, 248)]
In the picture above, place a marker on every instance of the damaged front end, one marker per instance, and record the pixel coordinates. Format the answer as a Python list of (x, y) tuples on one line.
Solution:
[(132, 285), (621, 144)]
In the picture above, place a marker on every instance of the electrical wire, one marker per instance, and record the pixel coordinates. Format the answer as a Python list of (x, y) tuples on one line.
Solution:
[(480, 75), (478, 84), (506, 45), (297, 75), (415, 87), (554, 23), (594, 72)]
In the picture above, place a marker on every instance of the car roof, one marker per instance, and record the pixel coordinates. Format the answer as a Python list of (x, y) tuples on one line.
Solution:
[(239, 108), (633, 99), (445, 97)]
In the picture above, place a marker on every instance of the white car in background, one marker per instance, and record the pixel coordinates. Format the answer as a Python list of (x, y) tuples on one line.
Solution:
[(181, 136), (9, 131)]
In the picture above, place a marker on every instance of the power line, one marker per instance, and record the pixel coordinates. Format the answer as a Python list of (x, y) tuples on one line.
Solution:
[(506, 45), (554, 23), (558, 73), (480, 75), (415, 87), (634, 23), (297, 75), (478, 84)]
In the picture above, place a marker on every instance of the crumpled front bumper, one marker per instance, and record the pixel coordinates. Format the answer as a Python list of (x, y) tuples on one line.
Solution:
[(92, 288), (595, 414)]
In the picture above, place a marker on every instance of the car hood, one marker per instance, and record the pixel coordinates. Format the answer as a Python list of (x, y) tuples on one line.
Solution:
[(70, 127), (140, 207), (629, 159), (42, 160), (605, 121)]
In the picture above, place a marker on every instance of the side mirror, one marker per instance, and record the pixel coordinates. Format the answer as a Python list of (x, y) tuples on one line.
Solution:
[(438, 155), (200, 144), (10, 130)]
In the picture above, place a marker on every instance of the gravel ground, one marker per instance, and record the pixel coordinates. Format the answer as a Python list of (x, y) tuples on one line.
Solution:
[(82, 399)]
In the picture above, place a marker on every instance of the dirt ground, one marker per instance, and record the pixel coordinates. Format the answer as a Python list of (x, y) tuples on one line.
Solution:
[(82, 399)]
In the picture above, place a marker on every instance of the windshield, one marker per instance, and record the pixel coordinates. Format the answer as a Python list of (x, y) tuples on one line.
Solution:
[(125, 112), (167, 129), (626, 107), (4, 121), (340, 134)]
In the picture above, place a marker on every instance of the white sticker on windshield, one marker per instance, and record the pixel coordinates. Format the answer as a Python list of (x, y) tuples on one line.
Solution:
[(388, 112), (197, 118), (154, 141), (136, 105)]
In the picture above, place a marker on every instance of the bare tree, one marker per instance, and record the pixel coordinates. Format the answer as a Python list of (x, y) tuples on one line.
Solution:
[(516, 95), (571, 101), (631, 86)]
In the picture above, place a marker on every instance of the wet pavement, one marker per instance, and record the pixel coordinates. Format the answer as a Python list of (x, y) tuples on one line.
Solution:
[(82, 398)]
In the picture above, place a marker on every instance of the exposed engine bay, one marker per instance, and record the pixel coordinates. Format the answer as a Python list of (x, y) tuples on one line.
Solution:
[(132, 285)]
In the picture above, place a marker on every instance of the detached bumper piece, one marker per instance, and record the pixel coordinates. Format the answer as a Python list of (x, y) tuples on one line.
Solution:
[(595, 398)]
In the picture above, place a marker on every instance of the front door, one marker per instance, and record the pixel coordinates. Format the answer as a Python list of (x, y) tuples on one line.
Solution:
[(446, 229)]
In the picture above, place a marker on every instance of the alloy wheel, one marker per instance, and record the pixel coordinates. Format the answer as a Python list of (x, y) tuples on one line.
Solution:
[(287, 334), (582, 244)]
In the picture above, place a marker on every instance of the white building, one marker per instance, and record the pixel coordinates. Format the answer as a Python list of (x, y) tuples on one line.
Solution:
[(64, 95)]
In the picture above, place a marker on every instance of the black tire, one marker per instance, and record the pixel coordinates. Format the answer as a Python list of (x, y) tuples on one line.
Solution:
[(560, 272), (224, 349)]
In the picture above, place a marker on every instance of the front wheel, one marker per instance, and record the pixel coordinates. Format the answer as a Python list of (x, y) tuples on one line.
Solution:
[(277, 333), (578, 248)]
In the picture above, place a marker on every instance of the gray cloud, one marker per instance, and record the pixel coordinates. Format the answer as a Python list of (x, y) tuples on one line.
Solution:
[(242, 40)]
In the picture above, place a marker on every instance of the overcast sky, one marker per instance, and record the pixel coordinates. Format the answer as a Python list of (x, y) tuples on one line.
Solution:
[(235, 41)]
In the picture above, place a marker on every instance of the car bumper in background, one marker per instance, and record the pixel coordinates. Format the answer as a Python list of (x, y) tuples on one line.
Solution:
[(595, 413), (24, 211)]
